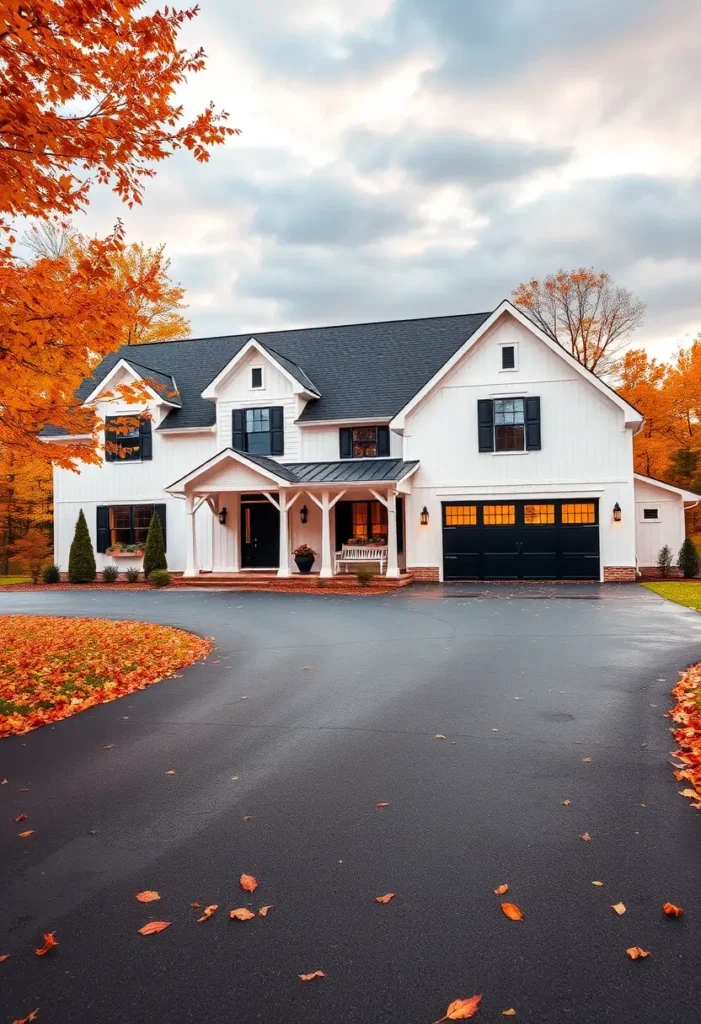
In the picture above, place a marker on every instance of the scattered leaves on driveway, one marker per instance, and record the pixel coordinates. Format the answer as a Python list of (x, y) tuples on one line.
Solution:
[(5, 956), (263, 912), (53, 667), (501, 889), (686, 715), (25, 835), (26, 1020), (153, 927), (461, 1009), (241, 914), (49, 943), (385, 899), (207, 912), (147, 896), (310, 977), (248, 883), (586, 837), (671, 910), (383, 804), (20, 817), (597, 883), (513, 912), (637, 953), (618, 908)]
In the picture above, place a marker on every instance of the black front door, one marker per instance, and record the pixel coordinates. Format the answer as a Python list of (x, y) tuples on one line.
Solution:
[(521, 540), (260, 535)]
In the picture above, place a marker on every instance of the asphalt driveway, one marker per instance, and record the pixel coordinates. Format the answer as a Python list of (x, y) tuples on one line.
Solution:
[(543, 695)]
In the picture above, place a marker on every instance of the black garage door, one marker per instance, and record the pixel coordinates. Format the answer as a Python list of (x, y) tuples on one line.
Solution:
[(521, 540)]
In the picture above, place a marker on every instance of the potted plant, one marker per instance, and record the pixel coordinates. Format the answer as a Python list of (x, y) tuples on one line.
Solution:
[(304, 557)]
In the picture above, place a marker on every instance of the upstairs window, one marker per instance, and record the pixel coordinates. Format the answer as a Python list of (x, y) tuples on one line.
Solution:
[(256, 377), (508, 357), (508, 424), (133, 446), (364, 442), (259, 431)]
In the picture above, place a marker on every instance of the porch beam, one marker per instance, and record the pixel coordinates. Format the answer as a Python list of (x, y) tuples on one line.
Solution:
[(198, 502), (337, 497), (382, 501), (284, 506), (272, 500)]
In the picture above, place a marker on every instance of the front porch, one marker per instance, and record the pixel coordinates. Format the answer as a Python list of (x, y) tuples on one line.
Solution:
[(262, 511), (311, 583)]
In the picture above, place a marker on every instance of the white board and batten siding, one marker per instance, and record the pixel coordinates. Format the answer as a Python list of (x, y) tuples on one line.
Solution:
[(586, 450), (668, 528), (322, 443)]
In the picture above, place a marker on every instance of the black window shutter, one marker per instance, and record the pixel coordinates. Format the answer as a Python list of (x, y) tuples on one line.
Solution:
[(103, 528), (160, 511), (485, 424), (533, 424), (345, 439), (344, 523), (238, 434), (277, 430), (400, 526), (383, 440), (109, 436), (145, 439)]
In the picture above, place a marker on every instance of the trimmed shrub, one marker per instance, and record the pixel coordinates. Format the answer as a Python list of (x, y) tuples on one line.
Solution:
[(688, 560), (81, 560), (159, 578), (364, 575), (132, 575), (110, 574), (51, 574), (154, 552), (665, 560)]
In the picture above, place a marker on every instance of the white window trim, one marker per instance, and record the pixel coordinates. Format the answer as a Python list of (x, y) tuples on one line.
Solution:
[(251, 386), (514, 346), (641, 516)]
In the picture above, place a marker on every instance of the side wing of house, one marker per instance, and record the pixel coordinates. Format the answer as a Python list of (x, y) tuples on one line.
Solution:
[(659, 519)]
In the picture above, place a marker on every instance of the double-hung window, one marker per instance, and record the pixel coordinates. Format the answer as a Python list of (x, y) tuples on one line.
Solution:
[(508, 424), (126, 440), (259, 431)]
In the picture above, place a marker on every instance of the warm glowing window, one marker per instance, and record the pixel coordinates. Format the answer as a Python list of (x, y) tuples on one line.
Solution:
[(461, 515), (537, 515), (364, 442), (120, 525), (509, 429), (499, 515), (579, 513), (360, 520), (369, 520)]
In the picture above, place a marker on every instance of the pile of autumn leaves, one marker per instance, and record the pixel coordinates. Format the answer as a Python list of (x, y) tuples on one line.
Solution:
[(687, 715), (51, 668)]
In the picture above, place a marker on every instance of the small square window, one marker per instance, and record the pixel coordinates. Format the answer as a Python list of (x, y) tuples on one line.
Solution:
[(508, 357), (651, 514), (256, 376)]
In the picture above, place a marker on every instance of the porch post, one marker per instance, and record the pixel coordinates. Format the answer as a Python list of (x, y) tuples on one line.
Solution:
[(284, 560), (392, 562), (191, 565), (326, 566)]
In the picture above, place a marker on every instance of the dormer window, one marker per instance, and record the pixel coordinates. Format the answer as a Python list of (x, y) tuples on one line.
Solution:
[(256, 377)]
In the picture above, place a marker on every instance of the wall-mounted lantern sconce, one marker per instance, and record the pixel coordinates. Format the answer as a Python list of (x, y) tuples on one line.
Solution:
[(616, 513), (303, 513), (222, 516), (424, 516)]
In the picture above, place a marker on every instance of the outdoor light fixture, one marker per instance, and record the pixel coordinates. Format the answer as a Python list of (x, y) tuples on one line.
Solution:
[(616, 513), (303, 513), (424, 516), (222, 516)]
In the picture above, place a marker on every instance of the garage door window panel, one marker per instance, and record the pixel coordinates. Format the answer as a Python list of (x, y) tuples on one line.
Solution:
[(538, 515), (499, 515), (578, 513), (461, 515)]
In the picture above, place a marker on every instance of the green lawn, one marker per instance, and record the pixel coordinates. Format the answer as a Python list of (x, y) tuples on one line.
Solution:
[(6, 580), (682, 592)]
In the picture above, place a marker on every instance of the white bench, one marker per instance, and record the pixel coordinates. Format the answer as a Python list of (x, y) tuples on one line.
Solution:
[(355, 554)]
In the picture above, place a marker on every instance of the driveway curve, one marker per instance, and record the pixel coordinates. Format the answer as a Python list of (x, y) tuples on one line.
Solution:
[(311, 710)]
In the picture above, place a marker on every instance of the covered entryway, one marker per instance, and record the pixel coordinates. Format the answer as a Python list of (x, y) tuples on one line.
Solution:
[(260, 532), (521, 540)]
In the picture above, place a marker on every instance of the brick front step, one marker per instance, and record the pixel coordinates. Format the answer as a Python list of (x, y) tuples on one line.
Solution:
[(298, 583)]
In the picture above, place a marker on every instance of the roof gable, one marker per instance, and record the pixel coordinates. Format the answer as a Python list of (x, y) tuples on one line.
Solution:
[(301, 383)]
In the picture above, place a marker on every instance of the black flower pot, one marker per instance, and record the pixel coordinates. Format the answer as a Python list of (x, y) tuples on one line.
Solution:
[(304, 562)]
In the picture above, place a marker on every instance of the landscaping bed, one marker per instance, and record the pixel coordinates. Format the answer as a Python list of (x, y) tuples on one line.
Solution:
[(52, 667), (686, 715)]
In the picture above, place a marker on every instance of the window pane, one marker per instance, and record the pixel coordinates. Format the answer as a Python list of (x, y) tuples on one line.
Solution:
[(538, 514), (142, 521), (508, 438), (120, 525), (651, 513), (508, 410), (364, 442), (128, 443), (499, 515), (256, 377), (259, 444), (360, 520), (461, 515), (579, 513), (378, 520), (509, 434), (257, 420)]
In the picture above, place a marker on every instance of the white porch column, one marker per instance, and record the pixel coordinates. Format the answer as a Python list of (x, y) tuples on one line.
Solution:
[(326, 564), (233, 521), (191, 564), (392, 560), (284, 567)]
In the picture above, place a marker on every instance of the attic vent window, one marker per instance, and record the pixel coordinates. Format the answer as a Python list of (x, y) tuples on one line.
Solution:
[(651, 514), (256, 376), (508, 357)]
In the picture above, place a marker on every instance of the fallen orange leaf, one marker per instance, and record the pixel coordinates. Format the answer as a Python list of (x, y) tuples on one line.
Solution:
[(49, 943), (597, 883), (20, 817), (586, 837), (5, 956), (23, 835), (671, 910), (263, 912), (691, 793), (154, 926), (508, 1013), (586, 760), (637, 953), (196, 906), (439, 736), (241, 914), (382, 805), (26, 1020), (310, 977), (384, 899), (461, 1009), (207, 912), (619, 908), (501, 889), (248, 883), (566, 803), (147, 896), (513, 912), (171, 771)]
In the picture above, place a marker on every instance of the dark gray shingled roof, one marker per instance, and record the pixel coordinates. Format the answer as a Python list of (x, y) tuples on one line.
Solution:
[(359, 370), (296, 371), (162, 383)]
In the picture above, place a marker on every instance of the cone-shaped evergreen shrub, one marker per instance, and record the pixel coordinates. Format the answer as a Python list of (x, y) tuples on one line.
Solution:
[(81, 560), (689, 559), (154, 552)]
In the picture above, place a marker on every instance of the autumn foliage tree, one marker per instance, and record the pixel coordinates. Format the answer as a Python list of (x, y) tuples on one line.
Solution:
[(33, 551), (585, 312)]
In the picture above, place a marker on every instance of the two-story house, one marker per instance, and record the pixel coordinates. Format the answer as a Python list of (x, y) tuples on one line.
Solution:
[(470, 447)]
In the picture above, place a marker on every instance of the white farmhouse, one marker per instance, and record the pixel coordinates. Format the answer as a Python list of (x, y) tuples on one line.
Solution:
[(457, 447)]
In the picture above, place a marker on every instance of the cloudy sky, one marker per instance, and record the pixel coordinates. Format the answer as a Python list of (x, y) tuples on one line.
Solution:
[(405, 158)]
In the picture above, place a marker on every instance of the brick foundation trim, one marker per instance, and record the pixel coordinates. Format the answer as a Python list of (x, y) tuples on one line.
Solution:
[(619, 574), (651, 572), (425, 574)]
